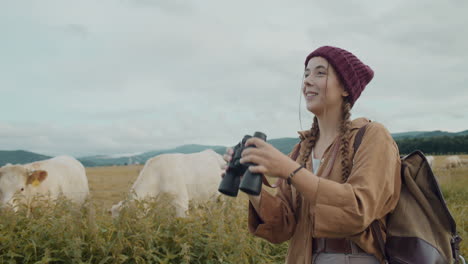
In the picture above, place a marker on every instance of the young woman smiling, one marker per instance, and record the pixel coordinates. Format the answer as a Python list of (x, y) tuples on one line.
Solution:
[(328, 195)]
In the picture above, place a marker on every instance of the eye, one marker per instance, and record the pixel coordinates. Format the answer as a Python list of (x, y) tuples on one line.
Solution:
[(22, 189)]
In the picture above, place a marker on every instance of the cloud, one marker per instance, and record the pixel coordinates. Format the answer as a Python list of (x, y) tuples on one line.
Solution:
[(77, 30), (176, 7), (92, 77)]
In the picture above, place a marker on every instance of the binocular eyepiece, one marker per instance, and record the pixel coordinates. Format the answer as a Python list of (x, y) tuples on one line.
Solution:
[(251, 182)]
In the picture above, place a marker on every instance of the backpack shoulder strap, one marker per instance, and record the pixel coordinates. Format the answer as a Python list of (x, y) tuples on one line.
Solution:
[(358, 138), (375, 228)]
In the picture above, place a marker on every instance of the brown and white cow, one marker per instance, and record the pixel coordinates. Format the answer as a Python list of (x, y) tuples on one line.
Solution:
[(62, 175)]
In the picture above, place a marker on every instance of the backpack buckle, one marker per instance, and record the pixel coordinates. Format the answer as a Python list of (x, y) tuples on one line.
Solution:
[(455, 242)]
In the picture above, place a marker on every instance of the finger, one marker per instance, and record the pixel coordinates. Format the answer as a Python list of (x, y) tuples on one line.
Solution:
[(229, 151), (251, 151), (252, 159), (227, 158), (256, 142), (258, 169)]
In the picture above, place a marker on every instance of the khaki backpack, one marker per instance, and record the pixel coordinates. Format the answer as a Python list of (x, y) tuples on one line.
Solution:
[(421, 228)]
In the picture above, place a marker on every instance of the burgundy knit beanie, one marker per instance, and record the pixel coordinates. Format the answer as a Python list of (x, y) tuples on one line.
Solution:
[(354, 74)]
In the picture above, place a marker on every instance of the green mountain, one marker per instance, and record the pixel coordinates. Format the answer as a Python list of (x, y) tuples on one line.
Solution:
[(19, 157), (438, 142), (285, 145)]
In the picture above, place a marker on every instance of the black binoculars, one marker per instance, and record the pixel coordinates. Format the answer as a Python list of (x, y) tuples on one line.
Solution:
[(251, 182)]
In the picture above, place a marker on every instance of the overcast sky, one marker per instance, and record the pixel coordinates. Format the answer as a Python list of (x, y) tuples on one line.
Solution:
[(90, 77)]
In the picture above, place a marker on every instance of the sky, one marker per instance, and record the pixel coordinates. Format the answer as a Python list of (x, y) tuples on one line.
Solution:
[(127, 76)]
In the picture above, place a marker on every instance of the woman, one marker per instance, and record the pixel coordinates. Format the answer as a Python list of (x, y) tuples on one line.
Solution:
[(328, 195)]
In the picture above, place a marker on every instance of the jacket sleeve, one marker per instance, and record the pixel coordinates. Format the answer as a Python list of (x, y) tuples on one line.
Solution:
[(372, 189), (276, 220)]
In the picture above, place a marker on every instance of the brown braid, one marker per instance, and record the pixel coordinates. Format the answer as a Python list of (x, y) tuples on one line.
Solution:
[(314, 132), (345, 131)]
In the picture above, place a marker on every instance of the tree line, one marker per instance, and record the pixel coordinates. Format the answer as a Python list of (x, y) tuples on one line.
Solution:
[(440, 145)]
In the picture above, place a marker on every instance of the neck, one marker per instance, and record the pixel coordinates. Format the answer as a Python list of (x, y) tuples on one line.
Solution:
[(329, 124)]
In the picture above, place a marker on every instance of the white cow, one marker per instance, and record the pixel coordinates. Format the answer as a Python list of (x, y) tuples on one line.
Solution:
[(184, 177), (464, 162), (430, 160), (62, 175), (452, 162)]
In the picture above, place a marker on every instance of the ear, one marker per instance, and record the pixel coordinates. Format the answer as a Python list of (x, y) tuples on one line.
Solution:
[(36, 177), (345, 94)]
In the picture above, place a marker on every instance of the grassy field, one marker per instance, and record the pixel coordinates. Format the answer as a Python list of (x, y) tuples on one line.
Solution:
[(454, 184), (215, 232), (109, 185)]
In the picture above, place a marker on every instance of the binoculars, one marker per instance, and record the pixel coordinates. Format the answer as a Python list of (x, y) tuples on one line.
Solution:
[(251, 182)]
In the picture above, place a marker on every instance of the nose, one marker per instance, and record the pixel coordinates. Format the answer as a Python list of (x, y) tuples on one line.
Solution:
[(308, 82)]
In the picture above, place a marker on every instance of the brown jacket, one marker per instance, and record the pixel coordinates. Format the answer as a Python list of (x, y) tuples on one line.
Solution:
[(338, 209)]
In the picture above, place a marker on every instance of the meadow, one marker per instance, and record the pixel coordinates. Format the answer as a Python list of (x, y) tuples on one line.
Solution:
[(215, 232)]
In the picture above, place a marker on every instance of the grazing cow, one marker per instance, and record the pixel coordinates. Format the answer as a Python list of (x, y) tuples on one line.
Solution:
[(430, 160), (452, 162), (184, 177), (62, 175), (464, 162)]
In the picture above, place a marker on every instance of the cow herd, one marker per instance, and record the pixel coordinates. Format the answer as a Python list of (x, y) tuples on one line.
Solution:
[(454, 162), (449, 162), (185, 177)]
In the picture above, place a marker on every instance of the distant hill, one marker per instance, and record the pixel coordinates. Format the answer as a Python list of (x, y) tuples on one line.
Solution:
[(285, 145), (19, 157), (425, 134), (430, 141), (103, 160)]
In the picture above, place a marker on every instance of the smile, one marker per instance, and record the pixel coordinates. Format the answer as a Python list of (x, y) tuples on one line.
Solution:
[(310, 94)]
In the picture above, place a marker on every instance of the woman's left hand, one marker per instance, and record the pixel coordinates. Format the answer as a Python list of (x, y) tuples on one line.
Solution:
[(269, 160)]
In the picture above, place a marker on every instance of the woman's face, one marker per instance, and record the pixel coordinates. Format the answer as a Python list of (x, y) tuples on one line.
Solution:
[(322, 88)]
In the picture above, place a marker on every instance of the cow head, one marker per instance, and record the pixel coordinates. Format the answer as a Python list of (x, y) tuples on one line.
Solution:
[(17, 179)]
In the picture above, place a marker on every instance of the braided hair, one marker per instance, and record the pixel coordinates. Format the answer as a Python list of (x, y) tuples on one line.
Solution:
[(344, 134)]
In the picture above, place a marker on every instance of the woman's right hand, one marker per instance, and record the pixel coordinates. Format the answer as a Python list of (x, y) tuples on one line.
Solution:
[(227, 157), (255, 200)]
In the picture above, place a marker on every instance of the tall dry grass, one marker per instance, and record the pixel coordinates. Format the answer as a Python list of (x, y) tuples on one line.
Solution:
[(215, 232), (454, 184)]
